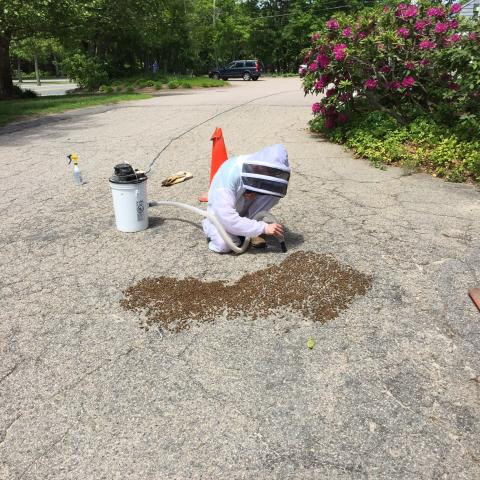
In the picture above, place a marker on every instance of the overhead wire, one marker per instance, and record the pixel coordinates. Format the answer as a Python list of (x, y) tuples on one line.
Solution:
[(157, 156)]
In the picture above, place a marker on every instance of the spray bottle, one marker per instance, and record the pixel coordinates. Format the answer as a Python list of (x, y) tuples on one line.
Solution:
[(77, 174)]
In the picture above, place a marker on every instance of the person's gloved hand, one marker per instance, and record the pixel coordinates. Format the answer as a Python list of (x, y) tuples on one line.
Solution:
[(274, 229)]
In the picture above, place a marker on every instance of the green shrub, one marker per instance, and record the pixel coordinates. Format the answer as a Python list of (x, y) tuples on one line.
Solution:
[(173, 84), (186, 85), (130, 89), (19, 93), (118, 89), (408, 59), (420, 145), (88, 72)]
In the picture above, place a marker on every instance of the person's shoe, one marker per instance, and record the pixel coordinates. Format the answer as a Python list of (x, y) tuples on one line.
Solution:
[(258, 242)]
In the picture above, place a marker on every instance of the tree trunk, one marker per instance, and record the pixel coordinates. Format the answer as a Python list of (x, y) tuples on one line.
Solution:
[(37, 71), (55, 64), (6, 84), (19, 70)]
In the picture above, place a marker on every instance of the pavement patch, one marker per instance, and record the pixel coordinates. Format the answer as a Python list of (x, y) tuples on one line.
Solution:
[(316, 286)]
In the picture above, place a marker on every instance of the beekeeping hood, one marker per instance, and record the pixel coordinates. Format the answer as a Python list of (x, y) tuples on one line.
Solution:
[(267, 171)]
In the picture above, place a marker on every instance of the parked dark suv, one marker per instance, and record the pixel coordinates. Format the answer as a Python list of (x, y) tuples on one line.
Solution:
[(246, 69)]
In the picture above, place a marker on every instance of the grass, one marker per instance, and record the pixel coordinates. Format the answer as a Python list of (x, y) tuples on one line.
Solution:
[(11, 110)]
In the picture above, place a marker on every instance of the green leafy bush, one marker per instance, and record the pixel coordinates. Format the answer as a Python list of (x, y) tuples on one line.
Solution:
[(19, 93), (173, 84), (88, 72), (105, 89), (130, 89), (422, 145), (186, 85), (406, 59)]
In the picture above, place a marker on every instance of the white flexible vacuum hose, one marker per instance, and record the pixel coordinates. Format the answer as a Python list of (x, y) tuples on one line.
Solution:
[(212, 218), (228, 240)]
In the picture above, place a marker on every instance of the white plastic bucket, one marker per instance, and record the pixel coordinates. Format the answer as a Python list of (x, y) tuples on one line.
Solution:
[(130, 205)]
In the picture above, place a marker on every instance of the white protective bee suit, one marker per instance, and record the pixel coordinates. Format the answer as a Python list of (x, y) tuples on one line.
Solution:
[(266, 172)]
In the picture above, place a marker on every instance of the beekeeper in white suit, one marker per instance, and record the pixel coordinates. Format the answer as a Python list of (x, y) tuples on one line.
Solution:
[(242, 187)]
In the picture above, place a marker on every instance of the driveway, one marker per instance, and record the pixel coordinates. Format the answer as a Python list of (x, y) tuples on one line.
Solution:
[(49, 87), (391, 390)]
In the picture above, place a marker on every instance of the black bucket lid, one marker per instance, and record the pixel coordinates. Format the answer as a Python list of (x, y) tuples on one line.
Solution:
[(124, 173)]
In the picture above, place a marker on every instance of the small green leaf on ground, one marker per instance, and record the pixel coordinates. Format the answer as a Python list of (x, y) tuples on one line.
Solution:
[(310, 343)]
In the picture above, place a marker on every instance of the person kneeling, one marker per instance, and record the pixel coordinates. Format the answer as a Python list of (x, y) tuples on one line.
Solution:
[(243, 187)]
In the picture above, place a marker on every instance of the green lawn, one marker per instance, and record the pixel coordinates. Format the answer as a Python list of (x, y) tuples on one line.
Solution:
[(11, 110)]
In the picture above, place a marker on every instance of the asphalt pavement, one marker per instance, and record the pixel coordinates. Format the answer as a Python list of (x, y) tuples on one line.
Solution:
[(49, 87), (391, 389)]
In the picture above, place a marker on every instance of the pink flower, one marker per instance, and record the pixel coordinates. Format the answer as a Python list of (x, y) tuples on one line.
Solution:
[(330, 92), (330, 111), (313, 67), (426, 45), (456, 37), (323, 61), (424, 62), (393, 85), (403, 32), (441, 27), (408, 82), (315, 37), (342, 118), (330, 122), (316, 107), (410, 12), (437, 12), (385, 69), (420, 25), (453, 86), (345, 97), (370, 84), (332, 24), (302, 71), (406, 11), (453, 24), (339, 51), (386, 9), (455, 8), (472, 36), (409, 65), (361, 35), (400, 9), (347, 32)]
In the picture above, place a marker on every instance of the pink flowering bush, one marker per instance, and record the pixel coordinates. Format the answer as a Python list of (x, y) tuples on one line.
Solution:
[(405, 59)]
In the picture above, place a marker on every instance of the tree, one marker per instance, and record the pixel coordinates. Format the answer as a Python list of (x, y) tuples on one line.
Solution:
[(21, 19)]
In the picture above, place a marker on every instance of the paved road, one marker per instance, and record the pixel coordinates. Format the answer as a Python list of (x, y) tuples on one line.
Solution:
[(49, 87), (391, 389)]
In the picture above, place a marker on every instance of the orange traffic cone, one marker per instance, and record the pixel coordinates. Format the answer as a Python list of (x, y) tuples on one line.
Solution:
[(219, 155)]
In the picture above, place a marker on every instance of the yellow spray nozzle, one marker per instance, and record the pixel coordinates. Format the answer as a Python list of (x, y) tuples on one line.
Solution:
[(73, 158)]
